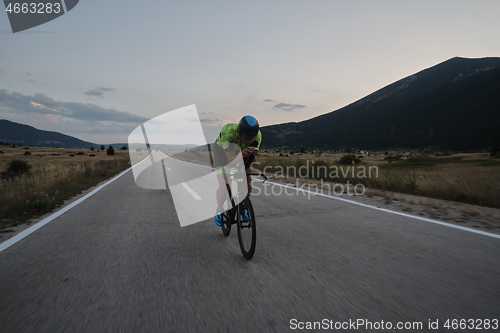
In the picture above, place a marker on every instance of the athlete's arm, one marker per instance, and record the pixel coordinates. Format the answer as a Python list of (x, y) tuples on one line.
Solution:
[(250, 151)]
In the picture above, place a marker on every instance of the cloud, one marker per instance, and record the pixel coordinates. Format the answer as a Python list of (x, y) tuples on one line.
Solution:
[(268, 100), (288, 107), (211, 121), (99, 91), (43, 104)]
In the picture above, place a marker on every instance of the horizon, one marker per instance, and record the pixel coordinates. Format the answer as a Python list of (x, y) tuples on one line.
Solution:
[(193, 144), (300, 62)]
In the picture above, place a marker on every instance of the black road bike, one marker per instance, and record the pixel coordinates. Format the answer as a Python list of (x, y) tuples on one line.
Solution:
[(247, 230)]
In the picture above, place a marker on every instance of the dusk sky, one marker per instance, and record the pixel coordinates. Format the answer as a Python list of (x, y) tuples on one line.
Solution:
[(105, 67)]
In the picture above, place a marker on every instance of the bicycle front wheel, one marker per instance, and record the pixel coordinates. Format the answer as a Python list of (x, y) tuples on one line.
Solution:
[(247, 231)]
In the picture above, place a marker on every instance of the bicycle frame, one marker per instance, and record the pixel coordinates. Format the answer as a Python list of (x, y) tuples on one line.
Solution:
[(233, 207)]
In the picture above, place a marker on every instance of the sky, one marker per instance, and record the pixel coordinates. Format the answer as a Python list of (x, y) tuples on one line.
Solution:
[(104, 68)]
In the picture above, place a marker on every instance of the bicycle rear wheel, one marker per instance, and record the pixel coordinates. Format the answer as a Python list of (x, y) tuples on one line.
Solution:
[(247, 231), (226, 222)]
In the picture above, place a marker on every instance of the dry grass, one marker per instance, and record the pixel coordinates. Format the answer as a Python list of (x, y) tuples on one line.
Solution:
[(54, 177), (467, 178)]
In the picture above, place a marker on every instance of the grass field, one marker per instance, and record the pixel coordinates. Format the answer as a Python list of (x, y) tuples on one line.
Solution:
[(467, 178), (56, 174)]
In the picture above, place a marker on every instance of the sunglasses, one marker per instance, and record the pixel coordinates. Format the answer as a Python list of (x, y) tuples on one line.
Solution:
[(248, 136)]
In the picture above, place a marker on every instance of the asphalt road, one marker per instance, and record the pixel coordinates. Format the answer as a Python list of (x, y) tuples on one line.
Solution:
[(120, 262)]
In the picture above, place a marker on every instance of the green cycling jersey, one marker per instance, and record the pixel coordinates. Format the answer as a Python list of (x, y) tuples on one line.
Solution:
[(229, 134)]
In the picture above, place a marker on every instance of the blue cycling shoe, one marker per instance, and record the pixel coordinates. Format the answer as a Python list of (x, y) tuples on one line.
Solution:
[(244, 215), (219, 217)]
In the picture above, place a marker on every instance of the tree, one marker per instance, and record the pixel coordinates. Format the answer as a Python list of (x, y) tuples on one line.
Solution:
[(102, 147), (110, 151)]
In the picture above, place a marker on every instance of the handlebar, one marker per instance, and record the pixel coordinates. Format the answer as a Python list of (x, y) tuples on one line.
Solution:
[(263, 175)]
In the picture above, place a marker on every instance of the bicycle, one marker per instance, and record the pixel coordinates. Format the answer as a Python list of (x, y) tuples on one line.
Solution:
[(247, 230)]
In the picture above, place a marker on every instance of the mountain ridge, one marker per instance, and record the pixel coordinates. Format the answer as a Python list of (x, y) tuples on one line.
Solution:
[(21, 134), (401, 113)]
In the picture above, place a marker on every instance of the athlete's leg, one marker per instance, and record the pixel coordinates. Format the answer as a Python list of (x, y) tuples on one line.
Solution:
[(249, 178), (222, 192), (249, 181)]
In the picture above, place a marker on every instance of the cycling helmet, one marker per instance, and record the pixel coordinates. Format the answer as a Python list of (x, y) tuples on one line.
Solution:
[(248, 127)]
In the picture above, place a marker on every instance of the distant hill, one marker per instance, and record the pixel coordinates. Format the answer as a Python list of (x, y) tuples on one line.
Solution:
[(453, 105), (19, 134)]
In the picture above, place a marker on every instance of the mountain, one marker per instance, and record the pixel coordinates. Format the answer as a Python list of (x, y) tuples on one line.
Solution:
[(453, 105), (19, 134)]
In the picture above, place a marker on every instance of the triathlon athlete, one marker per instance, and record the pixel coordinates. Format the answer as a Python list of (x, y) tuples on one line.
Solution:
[(247, 137)]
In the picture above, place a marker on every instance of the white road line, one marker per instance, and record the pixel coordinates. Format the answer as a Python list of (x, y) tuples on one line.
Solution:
[(394, 212), (190, 190), (484, 233), (21, 235)]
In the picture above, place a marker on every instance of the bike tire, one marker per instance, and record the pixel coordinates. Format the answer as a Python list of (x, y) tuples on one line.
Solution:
[(226, 223), (247, 231)]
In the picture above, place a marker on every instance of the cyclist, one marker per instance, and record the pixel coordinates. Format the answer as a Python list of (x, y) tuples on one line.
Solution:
[(247, 137)]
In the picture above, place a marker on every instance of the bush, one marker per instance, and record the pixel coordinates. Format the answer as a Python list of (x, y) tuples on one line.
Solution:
[(18, 167), (392, 158), (494, 151), (27, 153), (349, 160)]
